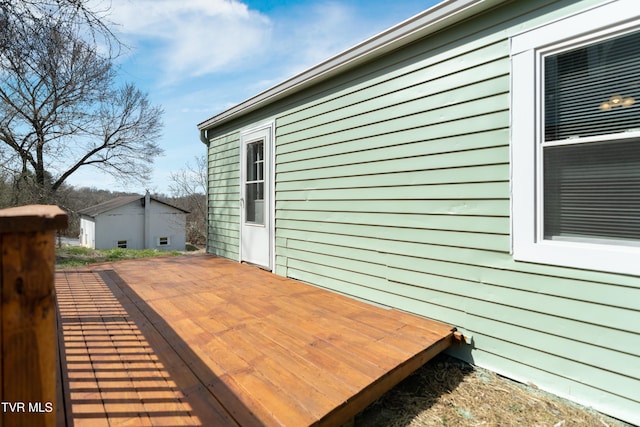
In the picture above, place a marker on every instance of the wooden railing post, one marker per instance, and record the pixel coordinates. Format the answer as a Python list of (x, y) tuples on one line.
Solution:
[(28, 333)]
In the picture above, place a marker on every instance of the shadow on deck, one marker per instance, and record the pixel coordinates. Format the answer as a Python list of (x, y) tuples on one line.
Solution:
[(205, 341)]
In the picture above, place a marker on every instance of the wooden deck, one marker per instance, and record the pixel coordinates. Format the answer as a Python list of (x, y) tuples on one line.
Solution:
[(206, 341)]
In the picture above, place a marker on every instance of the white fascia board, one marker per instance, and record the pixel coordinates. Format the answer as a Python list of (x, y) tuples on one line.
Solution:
[(440, 16)]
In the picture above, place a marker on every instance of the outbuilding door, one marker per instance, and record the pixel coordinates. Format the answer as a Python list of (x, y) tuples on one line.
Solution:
[(256, 197)]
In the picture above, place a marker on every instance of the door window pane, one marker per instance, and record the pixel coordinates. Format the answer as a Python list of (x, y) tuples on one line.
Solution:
[(255, 161), (254, 185)]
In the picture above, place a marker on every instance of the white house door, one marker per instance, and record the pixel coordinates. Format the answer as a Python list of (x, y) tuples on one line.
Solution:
[(255, 197)]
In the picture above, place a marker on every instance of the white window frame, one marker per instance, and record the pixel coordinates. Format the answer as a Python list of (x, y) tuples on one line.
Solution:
[(527, 52)]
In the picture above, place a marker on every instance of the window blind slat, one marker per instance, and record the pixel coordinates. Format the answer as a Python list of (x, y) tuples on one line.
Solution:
[(577, 203), (592, 190), (593, 90)]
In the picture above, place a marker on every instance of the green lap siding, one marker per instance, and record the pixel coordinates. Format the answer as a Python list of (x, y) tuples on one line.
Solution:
[(393, 185), (223, 225)]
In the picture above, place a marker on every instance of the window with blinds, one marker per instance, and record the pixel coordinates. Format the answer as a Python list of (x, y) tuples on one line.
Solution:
[(590, 145)]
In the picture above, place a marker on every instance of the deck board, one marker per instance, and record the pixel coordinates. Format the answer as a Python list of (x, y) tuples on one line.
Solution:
[(202, 340)]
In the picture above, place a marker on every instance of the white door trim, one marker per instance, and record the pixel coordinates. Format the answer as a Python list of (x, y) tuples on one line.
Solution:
[(268, 128)]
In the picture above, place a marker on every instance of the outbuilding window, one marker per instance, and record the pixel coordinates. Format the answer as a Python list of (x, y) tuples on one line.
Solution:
[(122, 244), (163, 241), (576, 141)]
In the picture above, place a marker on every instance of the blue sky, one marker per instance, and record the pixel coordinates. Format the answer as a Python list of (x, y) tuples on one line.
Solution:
[(197, 58)]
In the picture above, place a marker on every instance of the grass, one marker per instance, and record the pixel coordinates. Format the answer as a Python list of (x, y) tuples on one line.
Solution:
[(77, 256), (449, 392)]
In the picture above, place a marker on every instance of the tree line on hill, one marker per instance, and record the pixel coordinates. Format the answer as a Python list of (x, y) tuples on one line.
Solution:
[(187, 189)]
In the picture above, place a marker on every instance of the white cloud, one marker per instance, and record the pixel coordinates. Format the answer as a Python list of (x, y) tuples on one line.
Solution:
[(182, 39), (189, 38), (328, 30), (314, 32)]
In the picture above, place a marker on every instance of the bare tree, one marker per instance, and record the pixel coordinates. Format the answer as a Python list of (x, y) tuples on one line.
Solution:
[(60, 110), (190, 180), (189, 188), (28, 14)]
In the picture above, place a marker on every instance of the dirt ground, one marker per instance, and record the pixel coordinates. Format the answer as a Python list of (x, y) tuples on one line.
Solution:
[(449, 392)]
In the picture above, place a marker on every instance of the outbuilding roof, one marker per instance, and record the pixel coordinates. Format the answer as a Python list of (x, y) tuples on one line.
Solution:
[(94, 211), (442, 15)]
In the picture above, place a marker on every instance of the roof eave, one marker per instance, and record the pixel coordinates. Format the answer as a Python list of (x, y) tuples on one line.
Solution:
[(441, 15), (170, 205)]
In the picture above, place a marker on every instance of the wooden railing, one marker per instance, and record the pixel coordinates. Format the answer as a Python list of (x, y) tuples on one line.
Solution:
[(28, 333)]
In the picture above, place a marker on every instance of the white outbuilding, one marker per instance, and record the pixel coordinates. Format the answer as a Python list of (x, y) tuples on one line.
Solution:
[(133, 222)]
